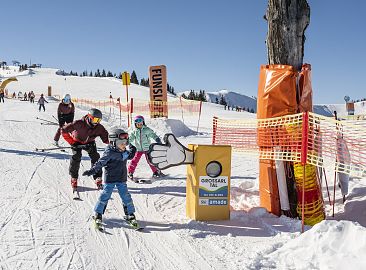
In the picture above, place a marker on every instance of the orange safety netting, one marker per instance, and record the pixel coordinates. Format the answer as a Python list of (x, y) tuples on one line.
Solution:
[(180, 106), (326, 142), (177, 107)]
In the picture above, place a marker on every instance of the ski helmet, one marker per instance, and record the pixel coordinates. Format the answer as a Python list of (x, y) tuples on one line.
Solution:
[(139, 119), (118, 136), (66, 99), (94, 116)]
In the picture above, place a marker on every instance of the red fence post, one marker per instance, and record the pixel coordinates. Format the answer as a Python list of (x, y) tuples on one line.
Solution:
[(214, 127)]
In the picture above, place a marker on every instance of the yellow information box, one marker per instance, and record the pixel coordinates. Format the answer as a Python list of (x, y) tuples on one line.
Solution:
[(208, 182), (126, 79)]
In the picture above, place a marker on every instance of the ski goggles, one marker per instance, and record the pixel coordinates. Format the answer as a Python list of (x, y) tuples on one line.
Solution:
[(139, 120), (94, 120), (122, 141), (66, 100), (123, 136)]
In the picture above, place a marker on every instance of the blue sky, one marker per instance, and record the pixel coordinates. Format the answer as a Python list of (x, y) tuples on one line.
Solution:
[(205, 44)]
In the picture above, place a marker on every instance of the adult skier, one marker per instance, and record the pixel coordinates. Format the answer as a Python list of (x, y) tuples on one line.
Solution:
[(65, 114), (114, 160), (141, 138), (81, 134)]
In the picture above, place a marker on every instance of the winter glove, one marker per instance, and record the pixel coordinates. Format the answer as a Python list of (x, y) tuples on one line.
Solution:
[(158, 140), (88, 172), (125, 155)]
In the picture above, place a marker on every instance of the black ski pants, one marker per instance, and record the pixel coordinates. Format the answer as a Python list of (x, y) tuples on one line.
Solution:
[(42, 106), (2, 97), (67, 118), (75, 160)]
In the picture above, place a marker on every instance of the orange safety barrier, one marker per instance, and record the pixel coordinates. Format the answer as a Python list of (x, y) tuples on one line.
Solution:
[(176, 108), (331, 143)]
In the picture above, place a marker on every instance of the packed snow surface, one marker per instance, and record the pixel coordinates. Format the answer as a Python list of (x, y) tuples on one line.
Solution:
[(41, 227)]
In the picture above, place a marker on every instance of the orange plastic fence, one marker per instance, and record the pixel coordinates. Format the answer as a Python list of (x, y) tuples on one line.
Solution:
[(338, 144), (136, 106)]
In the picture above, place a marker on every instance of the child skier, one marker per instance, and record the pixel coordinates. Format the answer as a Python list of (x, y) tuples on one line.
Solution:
[(141, 138), (41, 102), (114, 160)]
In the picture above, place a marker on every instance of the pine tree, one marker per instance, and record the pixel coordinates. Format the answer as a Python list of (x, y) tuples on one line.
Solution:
[(103, 73), (184, 96), (191, 95), (222, 100), (202, 96), (134, 78), (91, 74), (217, 101)]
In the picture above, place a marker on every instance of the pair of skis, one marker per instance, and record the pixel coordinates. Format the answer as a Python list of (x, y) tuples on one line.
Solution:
[(100, 226), (76, 195), (145, 180)]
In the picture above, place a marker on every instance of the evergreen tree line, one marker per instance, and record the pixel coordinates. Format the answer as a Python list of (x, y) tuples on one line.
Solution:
[(133, 77), (201, 96)]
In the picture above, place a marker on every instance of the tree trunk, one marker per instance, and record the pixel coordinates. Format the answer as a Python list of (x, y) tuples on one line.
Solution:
[(287, 22)]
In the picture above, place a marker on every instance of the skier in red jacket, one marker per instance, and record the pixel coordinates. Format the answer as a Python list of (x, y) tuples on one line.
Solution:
[(81, 134)]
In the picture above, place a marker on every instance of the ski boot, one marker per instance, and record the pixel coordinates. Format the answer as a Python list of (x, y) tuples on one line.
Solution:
[(130, 176), (99, 183), (97, 219), (74, 183), (55, 143), (131, 220), (156, 174), (75, 192)]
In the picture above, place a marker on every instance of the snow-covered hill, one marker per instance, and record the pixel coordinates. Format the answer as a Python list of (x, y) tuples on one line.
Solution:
[(41, 227)]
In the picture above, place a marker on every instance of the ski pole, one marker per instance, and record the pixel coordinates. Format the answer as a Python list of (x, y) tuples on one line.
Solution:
[(336, 159), (326, 183), (52, 148), (49, 124), (45, 120)]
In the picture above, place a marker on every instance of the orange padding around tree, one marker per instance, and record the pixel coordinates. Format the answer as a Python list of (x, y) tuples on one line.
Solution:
[(305, 89), (276, 97), (276, 91)]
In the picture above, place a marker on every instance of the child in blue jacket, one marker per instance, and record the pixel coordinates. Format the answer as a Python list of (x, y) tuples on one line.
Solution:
[(114, 161)]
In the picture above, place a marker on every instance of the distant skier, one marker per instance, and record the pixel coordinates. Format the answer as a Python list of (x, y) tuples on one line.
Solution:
[(141, 138), (2, 93), (81, 134), (41, 102), (32, 96), (65, 114), (114, 160)]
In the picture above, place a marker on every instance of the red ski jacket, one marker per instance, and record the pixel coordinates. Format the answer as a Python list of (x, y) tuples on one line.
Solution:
[(81, 132)]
